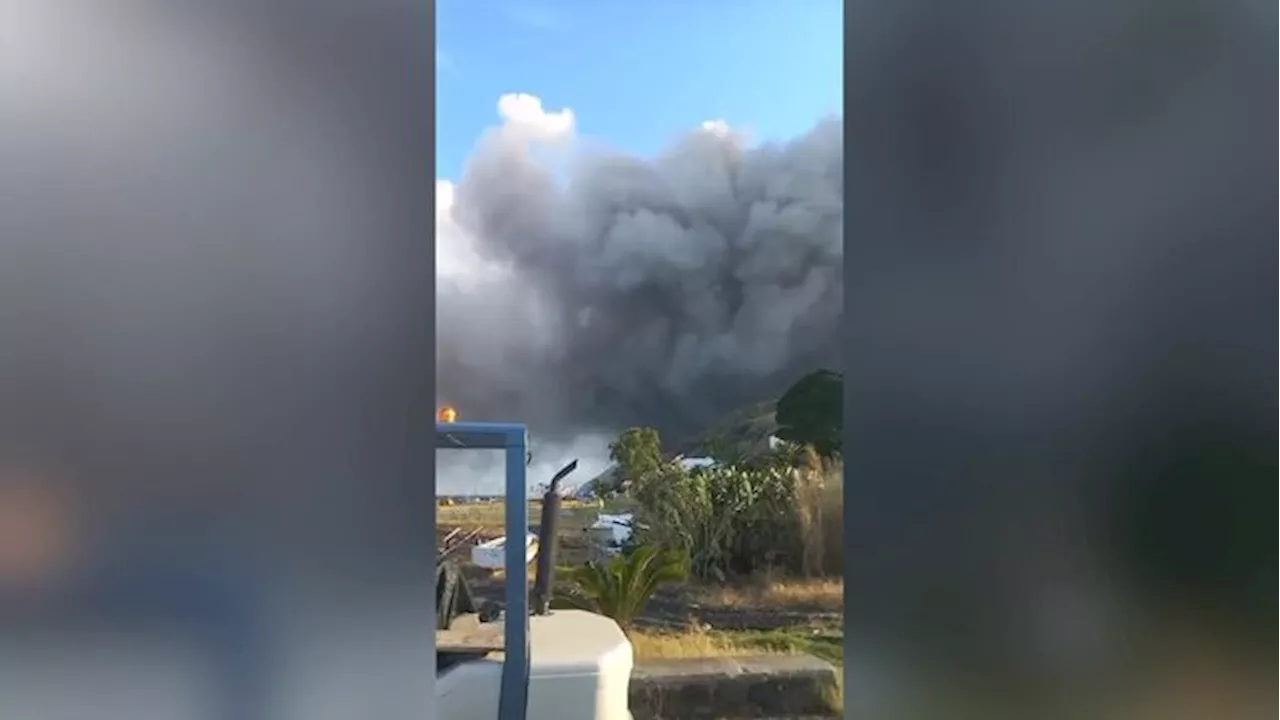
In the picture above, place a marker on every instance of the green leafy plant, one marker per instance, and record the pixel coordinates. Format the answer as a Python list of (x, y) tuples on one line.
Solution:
[(740, 521), (729, 520), (620, 587)]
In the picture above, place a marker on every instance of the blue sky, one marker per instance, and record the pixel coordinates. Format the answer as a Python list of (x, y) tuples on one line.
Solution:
[(637, 73)]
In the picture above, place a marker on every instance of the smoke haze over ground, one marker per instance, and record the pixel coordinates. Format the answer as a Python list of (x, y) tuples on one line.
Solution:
[(582, 290)]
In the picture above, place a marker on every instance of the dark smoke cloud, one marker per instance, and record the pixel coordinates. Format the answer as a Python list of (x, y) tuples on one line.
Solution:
[(582, 289)]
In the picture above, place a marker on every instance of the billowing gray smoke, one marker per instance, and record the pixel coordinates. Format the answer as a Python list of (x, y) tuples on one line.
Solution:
[(581, 289)]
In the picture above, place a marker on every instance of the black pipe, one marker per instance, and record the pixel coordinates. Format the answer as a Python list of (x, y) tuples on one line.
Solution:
[(544, 581)]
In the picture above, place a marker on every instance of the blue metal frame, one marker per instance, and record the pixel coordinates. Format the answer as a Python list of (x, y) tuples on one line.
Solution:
[(514, 438)]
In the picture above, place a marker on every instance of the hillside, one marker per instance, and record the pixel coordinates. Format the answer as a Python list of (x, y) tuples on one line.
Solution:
[(743, 432)]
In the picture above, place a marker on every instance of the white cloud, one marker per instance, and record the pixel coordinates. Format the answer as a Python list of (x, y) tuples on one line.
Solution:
[(524, 113), (719, 128), (444, 199)]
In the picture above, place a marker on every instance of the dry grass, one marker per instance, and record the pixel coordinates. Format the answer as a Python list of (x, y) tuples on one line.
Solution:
[(820, 512), (489, 515), (575, 517), (819, 593), (574, 514), (692, 644), (824, 644)]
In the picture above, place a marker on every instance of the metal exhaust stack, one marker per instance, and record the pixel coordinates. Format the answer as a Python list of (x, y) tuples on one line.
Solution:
[(548, 537)]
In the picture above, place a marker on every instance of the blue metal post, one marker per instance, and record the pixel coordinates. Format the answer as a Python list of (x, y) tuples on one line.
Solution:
[(513, 438), (513, 702)]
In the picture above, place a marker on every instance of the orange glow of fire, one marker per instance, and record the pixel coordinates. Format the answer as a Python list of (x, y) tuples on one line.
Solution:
[(447, 414)]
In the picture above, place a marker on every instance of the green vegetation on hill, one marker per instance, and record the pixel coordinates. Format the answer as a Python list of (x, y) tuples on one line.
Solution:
[(763, 506), (744, 432), (810, 412)]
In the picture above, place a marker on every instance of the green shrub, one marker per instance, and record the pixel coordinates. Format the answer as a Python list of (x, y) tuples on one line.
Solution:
[(737, 520), (620, 587)]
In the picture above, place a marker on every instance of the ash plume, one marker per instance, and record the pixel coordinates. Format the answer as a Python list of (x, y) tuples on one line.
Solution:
[(581, 289)]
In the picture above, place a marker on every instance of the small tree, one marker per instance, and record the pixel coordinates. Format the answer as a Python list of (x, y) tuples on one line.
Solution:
[(811, 412), (638, 453)]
